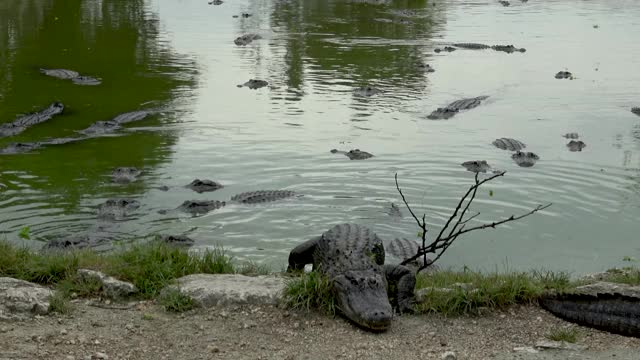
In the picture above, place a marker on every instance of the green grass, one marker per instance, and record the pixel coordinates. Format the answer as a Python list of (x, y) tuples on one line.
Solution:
[(309, 291), (494, 290), (627, 275), (150, 266), (59, 303), (175, 301), (569, 335)]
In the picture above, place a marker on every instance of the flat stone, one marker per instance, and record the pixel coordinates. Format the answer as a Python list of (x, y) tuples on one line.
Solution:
[(209, 290), (111, 287), (21, 299)]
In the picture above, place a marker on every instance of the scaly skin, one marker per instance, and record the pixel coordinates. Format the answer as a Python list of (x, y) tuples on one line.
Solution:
[(453, 108), (24, 122), (352, 256)]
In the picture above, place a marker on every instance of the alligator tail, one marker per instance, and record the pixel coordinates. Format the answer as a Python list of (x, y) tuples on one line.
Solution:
[(614, 313)]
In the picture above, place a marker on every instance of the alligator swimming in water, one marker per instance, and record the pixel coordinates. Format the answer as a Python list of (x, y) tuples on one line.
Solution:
[(453, 108), (197, 207), (367, 91), (446, 48), (477, 166), (254, 84), (355, 154), (564, 75), (246, 39), (509, 144), (205, 185), (125, 174), (74, 76), (475, 46), (24, 122), (571, 135), (636, 110), (117, 209), (574, 145), (352, 257), (525, 159)]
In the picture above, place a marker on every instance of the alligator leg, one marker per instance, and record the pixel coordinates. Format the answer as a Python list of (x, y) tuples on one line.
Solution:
[(302, 254), (402, 282)]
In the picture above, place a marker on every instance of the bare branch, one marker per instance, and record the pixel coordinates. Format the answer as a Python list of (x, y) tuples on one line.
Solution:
[(466, 221), (406, 203)]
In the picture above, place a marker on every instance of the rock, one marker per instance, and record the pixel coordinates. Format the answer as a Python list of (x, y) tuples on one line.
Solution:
[(111, 287), (449, 355), (21, 299), (209, 290), (558, 345), (100, 355)]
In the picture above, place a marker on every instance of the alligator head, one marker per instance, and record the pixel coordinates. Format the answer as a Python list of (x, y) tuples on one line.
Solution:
[(362, 297)]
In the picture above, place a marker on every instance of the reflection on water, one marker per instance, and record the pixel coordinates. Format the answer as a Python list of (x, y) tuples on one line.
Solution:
[(314, 55)]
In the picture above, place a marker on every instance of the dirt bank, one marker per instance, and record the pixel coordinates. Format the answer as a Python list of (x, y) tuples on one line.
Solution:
[(145, 331)]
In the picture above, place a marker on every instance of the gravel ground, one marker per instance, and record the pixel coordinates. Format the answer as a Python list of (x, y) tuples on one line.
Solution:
[(145, 331)]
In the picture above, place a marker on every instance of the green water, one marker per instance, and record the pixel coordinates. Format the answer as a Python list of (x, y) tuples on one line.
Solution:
[(179, 57)]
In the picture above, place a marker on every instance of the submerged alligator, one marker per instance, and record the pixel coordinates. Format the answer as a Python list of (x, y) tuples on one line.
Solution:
[(574, 145), (477, 166), (117, 209), (125, 174), (453, 108), (475, 46), (74, 76), (205, 185), (24, 122), (525, 159), (610, 307), (564, 75), (509, 144), (636, 110), (355, 154), (367, 91), (352, 257)]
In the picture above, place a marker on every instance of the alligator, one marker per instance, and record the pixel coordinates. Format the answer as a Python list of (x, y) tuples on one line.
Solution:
[(476, 46), (74, 76), (125, 174), (367, 91), (509, 144), (116, 209), (100, 128), (177, 240), (205, 185), (196, 207), (636, 110), (525, 159), (453, 108), (574, 145), (476, 166), (352, 257), (254, 84), (446, 48), (504, 3), (426, 68), (24, 122), (571, 135), (243, 15), (246, 39), (216, 2), (606, 306), (564, 75), (24, 147), (355, 154)]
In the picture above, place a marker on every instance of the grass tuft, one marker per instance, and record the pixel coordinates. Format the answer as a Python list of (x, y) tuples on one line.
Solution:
[(470, 292), (59, 303), (310, 291), (627, 275), (175, 301), (569, 335)]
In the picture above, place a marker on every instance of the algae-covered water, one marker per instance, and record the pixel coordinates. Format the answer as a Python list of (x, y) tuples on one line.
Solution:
[(180, 57)]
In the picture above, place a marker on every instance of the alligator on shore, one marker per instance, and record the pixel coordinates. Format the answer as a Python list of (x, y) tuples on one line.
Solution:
[(74, 76), (352, 257), (453, 108), (24, 122), (355, 154), (606, 306)]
